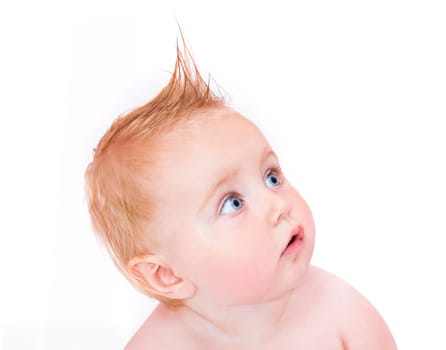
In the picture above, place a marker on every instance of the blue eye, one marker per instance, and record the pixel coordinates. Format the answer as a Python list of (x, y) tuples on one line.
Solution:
[(231, 204), (272, 180)]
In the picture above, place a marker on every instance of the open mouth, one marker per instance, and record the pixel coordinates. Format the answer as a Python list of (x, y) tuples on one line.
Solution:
[(294, 242)]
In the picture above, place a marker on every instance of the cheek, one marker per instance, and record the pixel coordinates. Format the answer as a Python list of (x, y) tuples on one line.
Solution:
[(242, 269), (239, 281), (301, 210)]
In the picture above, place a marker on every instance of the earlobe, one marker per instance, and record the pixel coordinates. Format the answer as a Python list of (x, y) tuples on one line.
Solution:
[(158, 278)]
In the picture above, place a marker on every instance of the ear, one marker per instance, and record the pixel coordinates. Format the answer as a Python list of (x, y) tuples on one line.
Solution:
[(158, 278)]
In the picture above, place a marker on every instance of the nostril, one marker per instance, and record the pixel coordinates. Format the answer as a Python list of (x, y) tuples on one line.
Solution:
[(277, 207)]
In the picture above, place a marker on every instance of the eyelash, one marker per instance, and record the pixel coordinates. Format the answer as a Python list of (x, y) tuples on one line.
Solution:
[(277, 170), (227, 196)]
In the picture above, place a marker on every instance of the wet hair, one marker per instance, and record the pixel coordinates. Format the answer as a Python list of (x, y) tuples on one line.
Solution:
[(121, 208)]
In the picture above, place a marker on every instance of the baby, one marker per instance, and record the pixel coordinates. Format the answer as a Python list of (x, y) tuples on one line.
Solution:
[(192, 204)]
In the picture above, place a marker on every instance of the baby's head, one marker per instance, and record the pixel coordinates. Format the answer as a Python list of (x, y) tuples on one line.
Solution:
[(190, 200)]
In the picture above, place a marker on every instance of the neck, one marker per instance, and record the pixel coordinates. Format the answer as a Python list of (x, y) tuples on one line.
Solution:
[(243, 323)]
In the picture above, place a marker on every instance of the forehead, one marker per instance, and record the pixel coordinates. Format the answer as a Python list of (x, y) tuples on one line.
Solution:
[(204, 147), (212, 134)]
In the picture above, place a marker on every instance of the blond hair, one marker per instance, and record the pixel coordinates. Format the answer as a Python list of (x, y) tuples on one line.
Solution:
[(118, 206)]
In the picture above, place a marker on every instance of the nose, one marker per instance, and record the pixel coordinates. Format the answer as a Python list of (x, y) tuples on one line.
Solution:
[(278, 207)]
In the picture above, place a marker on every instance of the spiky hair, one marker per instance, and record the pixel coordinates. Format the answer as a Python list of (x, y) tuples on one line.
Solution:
[(113, 180)]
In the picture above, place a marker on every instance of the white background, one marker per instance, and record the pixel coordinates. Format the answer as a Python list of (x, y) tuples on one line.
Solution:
[(350, 93)]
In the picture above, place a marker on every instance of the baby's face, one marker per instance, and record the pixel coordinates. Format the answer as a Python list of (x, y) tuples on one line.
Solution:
[(226, 213)]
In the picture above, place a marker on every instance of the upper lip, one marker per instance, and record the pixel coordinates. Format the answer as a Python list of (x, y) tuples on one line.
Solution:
[(298, 231)]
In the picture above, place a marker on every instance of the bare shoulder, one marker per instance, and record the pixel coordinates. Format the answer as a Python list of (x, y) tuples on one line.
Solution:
[(157, 332), (151, 333), (360, 324)]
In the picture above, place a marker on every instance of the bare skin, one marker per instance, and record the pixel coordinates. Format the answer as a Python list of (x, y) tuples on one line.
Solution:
[(324, 313), (226, 217)]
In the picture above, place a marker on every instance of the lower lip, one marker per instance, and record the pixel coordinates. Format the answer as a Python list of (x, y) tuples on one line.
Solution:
[(293, 247)]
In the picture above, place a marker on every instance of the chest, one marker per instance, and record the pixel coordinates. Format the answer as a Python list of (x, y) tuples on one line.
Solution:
[(314, 339)]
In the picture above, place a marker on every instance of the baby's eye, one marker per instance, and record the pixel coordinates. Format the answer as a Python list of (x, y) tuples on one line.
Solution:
[(272, 179), (231, 204)]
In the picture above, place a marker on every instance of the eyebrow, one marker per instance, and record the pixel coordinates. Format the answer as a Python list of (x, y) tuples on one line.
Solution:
[(231, 174)]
